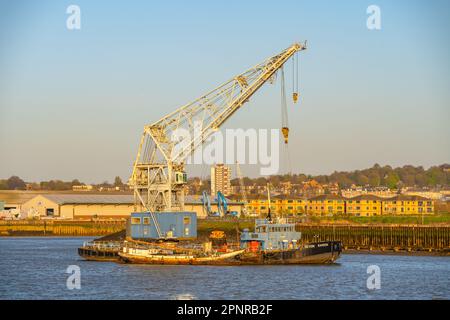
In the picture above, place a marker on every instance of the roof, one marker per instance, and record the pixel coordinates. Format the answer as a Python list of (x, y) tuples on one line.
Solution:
[(403, 197), (22, 196), (112, 199), (90, 198), (366, 197), (327, 197)]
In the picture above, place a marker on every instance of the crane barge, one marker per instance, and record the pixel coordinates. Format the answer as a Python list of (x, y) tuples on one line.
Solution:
[(160, 231)]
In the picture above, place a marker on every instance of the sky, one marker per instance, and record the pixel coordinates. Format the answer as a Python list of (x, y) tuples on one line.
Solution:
[(73, 103)]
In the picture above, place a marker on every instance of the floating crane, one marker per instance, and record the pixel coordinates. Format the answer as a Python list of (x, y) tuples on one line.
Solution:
[(158, 178)]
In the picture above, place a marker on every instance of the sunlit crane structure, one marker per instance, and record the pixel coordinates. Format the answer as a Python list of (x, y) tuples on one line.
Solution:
[(159, 176)]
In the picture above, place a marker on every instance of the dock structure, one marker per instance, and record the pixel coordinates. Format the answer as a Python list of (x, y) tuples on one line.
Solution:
[(60, 228), (381, 237)]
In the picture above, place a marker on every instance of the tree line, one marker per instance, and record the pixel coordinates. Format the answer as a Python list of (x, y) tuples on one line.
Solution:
[(16, 183), (377, 176)]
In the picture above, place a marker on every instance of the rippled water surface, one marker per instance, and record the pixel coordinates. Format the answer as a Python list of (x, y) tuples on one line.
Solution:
[(35, 268)]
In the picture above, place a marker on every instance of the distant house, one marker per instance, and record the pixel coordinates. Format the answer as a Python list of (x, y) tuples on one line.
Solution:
[(82, 187), (326, 204), (364, 205)]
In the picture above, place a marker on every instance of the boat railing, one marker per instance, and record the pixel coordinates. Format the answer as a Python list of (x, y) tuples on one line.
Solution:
[(102, 244), (275, 220)]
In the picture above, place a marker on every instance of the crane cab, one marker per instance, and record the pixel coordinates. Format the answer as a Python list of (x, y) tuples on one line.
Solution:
[(180, 177)]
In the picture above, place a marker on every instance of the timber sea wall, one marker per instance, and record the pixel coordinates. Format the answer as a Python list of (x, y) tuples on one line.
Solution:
[(384, 238), (60, 228)]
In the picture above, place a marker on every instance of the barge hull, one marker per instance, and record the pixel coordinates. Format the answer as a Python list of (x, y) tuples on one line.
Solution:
[(315, 253)]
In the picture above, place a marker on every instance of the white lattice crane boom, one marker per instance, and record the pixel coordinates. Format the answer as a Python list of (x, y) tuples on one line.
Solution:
[(158, 176)]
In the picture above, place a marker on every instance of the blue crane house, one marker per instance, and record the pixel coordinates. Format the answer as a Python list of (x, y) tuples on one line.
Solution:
[(172, 225)]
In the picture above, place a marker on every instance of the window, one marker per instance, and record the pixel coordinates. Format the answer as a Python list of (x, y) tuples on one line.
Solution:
[(135, 220), (50, 212), (146, 220), (186, 220)]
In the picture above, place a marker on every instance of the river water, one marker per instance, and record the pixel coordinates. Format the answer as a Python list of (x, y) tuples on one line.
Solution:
[(35, 268)]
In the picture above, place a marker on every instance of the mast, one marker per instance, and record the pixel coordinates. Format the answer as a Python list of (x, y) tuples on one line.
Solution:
[(269, 215)]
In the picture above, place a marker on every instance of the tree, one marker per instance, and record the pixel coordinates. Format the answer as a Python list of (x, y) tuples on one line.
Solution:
[(361, 179), (118, 182), (15, 183), (76, 182), (374, 179), (392, 180), (3, 185)]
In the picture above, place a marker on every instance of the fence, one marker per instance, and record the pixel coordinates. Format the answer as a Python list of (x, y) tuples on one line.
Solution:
[(381, 237)]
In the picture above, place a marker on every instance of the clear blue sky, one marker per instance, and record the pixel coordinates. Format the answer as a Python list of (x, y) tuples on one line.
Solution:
[(73, 103)]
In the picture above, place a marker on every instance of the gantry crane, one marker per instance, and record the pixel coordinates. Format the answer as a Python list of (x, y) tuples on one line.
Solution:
[(158, 178)]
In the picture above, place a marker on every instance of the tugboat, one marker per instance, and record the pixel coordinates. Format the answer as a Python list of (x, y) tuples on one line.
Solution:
[(279, 243)]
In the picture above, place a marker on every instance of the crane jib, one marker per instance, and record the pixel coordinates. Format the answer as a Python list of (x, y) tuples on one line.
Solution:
[(158, 176)]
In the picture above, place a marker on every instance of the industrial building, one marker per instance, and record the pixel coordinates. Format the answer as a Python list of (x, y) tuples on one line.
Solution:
[(88, 206)]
